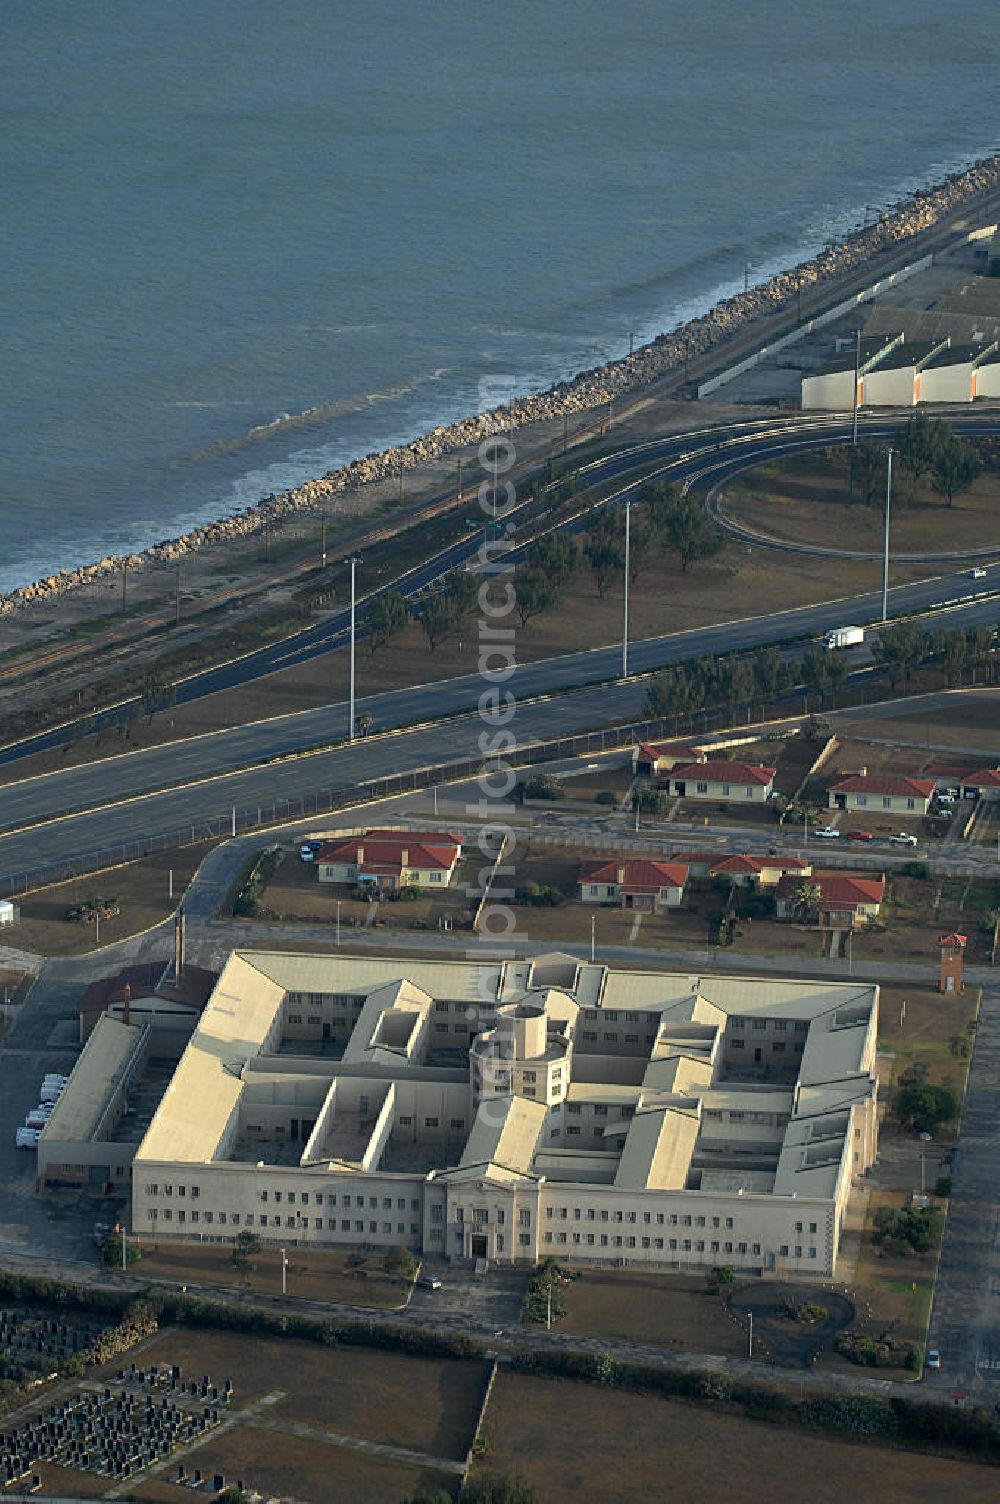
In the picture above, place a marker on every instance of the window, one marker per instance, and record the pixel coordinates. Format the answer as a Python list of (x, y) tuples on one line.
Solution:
[(783, 1250), (437, 877), (759, 1023), (812, 1226), (277, 1195), (167, 1214), (812, 1253), (738, 1044), (152, 1190), (405, 1121), (725, 789), (430, 1122), (524, 1217), (702, 788), (887, 802), (798, 1251), (524, 1239), (437, 1212), (780, 1025)]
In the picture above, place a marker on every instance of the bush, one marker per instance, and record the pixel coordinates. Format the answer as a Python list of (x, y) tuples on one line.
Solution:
[(905, 1229), (605, 796), (942, 1187), (925, 1106), (919, 870), (540, 786)]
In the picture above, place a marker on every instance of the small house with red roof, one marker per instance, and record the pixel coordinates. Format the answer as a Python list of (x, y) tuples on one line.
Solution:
[(837, 900), (390, 859), (745, 871), (720, 779), (650, 758), (638, 883), (984, 783), (881, 793)]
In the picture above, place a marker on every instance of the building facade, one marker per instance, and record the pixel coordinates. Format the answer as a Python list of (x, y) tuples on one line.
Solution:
[(509, 1110)]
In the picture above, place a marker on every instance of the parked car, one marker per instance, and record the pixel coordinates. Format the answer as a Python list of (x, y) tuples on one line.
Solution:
[(827, 833), (933, 1358), (903, 838), (860, 835), (979, 573), (307, 851), (27, 1138), (49, 1095), (429, 1282)]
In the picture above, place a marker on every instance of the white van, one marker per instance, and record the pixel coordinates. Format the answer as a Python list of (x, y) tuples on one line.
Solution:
[(27, 1138)]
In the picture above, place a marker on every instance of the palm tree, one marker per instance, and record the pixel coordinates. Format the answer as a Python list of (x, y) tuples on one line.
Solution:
[(807, 900)]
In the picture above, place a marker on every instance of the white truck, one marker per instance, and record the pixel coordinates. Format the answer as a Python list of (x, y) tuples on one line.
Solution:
[(844, 637)]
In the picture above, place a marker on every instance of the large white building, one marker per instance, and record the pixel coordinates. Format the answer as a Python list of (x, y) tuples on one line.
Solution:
[(506, 1110)]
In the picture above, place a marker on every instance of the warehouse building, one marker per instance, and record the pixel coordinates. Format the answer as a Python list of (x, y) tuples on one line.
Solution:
[(507, 1110)]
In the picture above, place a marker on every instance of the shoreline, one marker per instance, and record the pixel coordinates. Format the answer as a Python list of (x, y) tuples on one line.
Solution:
[(587, 390)]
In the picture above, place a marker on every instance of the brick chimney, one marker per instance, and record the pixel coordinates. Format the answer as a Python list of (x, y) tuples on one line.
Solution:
[(404, 857), (620, 876), (360, 856)]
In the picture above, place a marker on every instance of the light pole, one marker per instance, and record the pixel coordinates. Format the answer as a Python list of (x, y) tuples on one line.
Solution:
[(97, 924), (284, 1272), (338, 921), (628, 508), (354, 564), (857, 380), (593, 936), (750, 1335), (885, 552)]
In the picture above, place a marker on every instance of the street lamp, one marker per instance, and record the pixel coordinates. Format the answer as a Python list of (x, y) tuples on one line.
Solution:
[(593, 935), (885, 553), (338, 921), (354, 565), (284, 1272), (628, 509)]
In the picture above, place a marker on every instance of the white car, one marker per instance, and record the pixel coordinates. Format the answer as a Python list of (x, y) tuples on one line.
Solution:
[(827, 833), (933, 1358), (977, 574), (903, 838)]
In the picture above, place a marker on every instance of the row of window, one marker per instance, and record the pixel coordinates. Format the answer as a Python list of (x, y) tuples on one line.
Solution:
[(778, 1046), (268, 1220), (481, 1216), (604, 1240), (779, 1025), (590, 1035)]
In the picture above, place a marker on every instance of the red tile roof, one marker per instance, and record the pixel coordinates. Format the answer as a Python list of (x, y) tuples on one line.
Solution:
[(752, 864), (837, 890), (383, 850), (725, 772), (653, 751), (640, 875), (884, 783), (954, 941), (983, 778)]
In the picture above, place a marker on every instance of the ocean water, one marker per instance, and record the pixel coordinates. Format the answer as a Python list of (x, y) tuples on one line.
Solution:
[(243, 242)]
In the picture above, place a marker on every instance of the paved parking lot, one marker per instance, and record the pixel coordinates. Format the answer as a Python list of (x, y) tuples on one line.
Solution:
[(43, 1036), (466, 1300), (965, 1320)]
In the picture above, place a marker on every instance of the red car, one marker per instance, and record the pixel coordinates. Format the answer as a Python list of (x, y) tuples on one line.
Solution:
[(860, 835)]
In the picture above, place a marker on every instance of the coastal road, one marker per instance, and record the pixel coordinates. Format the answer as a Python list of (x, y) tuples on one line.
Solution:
[(245, 765), (125, 814), (703, 456)]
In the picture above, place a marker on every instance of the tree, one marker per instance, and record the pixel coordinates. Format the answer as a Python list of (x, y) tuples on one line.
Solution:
[(956, 466), (721, 1279), (920, 443), (905, 1229), (111, 1250), (534, 593), (659, 498), (157, 693), (462, 591), (807, 899), (924, 1107), (604, 549), (554, 557), (246, 1247), (899, 649), (365, 722), (437, 617), (400, 1264), (689, 532), (869, 471), (234, 1495), (386, 617)]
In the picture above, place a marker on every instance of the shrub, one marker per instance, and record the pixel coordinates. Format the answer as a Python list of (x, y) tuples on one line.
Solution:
[(605, 796), (942, 1187)]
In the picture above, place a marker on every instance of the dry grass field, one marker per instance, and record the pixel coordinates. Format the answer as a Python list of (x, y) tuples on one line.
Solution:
[(310, 1276), (141, 888), (576, 1443), (804, 498), (285, 1466), (673, 1310)]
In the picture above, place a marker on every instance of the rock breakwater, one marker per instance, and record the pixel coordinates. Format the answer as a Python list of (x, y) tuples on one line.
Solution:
[(587, 390)]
